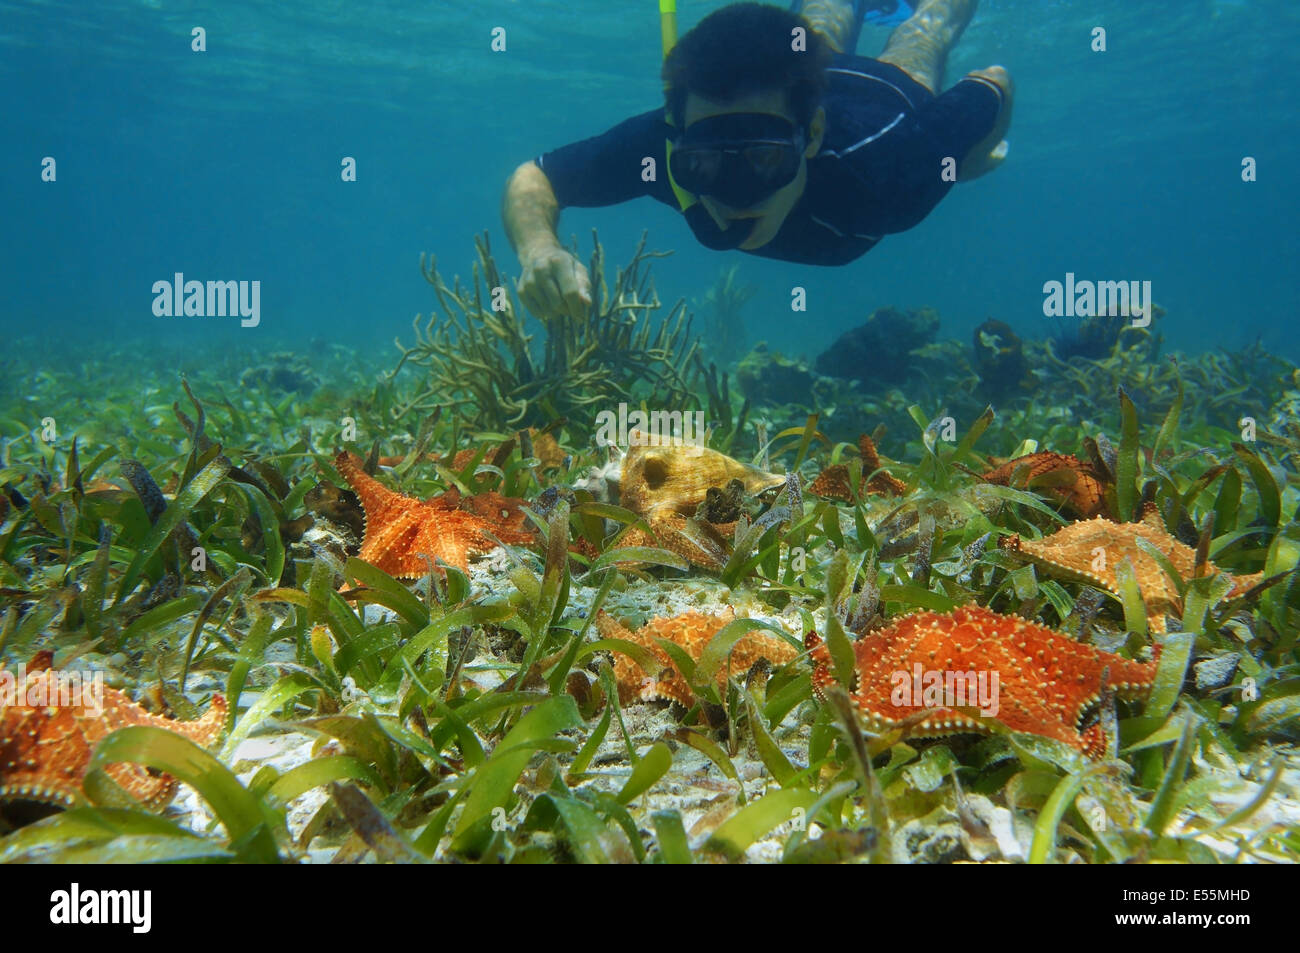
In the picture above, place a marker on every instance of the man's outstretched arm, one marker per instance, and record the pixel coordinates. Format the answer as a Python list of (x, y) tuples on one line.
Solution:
[(603, 170), (551, 280)]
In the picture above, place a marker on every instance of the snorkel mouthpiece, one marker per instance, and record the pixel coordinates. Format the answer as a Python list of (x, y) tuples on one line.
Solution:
[(708, 234)]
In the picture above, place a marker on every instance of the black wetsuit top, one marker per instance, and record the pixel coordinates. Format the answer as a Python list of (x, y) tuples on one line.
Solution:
[(878, 170)]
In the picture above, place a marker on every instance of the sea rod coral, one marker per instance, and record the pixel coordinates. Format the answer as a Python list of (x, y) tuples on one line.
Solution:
[(483, 364)]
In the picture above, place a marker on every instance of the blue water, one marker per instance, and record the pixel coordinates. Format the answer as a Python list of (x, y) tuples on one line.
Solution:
[(225, 164)]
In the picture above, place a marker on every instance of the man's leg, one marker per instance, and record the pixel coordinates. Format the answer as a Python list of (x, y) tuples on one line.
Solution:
[(839, 21), (919, 46)]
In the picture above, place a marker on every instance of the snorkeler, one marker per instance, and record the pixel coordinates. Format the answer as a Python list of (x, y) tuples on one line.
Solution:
[(808, 155)]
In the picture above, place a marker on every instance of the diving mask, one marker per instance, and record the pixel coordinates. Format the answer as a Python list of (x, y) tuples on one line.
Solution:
[(740, 159)]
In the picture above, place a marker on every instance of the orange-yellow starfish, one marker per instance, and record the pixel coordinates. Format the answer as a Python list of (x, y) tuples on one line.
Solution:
[(504, 515), (699, 542), (400, 530), (692, 631), (47, 736), (1046, 683), (1070, 480), (833, 482), (1090, 551), (545, 448)]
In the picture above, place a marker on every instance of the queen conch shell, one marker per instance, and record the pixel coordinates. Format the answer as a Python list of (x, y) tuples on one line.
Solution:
[(674, 478)]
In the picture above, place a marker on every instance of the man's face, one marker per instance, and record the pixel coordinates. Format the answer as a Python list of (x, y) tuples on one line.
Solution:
[(772, 211)]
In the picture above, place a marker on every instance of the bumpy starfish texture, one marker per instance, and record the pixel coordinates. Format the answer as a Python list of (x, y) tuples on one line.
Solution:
[(699, 543), (45, 748), (692, 631), (1090, 551), (504, 515), (401, 530), (1070, 480), (1048, 684), (545, 448), (833, 482)]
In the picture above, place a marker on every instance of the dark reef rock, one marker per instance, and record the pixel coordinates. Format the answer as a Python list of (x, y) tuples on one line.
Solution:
[(769, 377), (1000, 360), (1095, 338), (284, 372), (880, 351)]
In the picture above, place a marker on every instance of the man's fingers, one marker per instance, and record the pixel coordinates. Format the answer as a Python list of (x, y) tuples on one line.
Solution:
[(556, 300), (556, 285), (566, 291), (538, 291), (576, 288), (573, 304), (528, 297)]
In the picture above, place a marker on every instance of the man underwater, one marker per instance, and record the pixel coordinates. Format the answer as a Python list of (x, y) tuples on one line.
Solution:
[(807, 155)]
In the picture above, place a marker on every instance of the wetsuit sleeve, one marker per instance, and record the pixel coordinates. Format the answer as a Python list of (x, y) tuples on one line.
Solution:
[(608, 169), (962, 116)]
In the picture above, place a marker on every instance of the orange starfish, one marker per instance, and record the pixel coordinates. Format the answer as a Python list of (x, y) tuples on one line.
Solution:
[(698, 542), (1069, 479), (48, 733), (692, 631), (833, 482), (458, 462), (545, 449), (1090, 551), (401, 530), (504, 515), (914, 673)]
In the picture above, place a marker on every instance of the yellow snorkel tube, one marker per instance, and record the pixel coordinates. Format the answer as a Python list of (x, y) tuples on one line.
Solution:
[(668, 33), (668, 24)]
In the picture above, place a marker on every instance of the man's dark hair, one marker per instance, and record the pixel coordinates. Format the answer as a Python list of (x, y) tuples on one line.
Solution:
[(743, 49)]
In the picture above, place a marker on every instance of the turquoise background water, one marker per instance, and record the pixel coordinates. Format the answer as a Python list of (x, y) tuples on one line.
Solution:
[(225, 165)]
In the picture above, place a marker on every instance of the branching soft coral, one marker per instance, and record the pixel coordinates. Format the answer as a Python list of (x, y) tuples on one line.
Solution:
[(482, 363)]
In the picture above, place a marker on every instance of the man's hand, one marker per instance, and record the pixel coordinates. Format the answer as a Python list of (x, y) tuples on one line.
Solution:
[(554, 282), (990, 152)]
